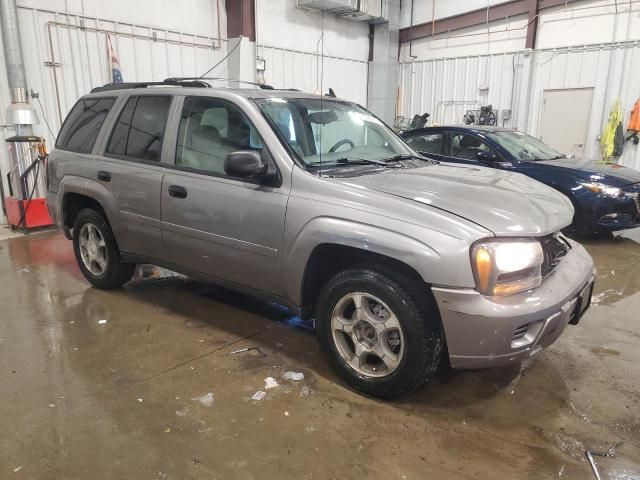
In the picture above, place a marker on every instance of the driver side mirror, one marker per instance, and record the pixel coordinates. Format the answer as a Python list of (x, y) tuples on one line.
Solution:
[(486, 156), (245, 164)]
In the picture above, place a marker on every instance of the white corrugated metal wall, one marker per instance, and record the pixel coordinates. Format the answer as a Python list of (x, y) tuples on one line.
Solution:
[(447, 87), (66, 55), (285, 68)]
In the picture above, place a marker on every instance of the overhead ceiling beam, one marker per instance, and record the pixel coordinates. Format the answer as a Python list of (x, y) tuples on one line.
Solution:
[(502, 11), (532, 24)]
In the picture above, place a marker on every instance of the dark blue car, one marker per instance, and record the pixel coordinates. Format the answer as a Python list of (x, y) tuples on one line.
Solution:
[(606, 196)]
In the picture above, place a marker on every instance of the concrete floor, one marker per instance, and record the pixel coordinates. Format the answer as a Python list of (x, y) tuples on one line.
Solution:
[(82, 398)]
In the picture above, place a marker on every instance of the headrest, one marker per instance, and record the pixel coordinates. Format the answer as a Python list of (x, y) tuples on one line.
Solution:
[(203, 136), (470, 142)]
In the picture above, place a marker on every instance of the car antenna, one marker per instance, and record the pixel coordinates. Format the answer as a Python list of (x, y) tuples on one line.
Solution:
[(263, 86), (331, 93)]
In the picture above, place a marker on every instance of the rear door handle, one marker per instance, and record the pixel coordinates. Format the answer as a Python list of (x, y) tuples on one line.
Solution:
[(177, 191), (104, 176)]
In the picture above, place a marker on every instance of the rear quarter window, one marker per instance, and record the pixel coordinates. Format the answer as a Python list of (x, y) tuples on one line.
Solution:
[(82, 126)]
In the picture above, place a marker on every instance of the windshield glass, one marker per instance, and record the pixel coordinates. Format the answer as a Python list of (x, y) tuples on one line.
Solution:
[(524, 147), (329, 131)]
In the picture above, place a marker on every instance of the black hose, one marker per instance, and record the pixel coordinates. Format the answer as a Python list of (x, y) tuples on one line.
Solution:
[(33, 191)]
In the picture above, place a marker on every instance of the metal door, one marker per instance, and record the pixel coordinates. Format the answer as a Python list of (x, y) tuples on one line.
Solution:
[(566, 114), (133, 184), (225, 227)]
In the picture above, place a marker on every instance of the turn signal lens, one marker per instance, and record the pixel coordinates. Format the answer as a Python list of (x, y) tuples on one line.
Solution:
[(483, 267)]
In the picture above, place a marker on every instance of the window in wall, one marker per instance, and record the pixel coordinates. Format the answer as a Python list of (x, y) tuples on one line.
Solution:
[(81, 128), (210, 129)]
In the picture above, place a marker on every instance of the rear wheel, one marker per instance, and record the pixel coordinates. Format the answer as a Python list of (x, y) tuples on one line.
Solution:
[(97, 253), (380, 331)]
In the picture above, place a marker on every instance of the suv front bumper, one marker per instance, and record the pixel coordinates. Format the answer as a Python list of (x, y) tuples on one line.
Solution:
[(492, 331)]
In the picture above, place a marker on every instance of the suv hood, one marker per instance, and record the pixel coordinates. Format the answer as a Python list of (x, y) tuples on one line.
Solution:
[(507, 203), (609, 173)]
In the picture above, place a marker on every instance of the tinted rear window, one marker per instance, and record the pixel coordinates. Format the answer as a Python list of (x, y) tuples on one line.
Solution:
[(80, 130), (139, 131), (118, 142)]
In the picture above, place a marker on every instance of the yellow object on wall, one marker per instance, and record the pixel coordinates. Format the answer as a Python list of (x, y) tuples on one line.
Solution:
[(607, 140)]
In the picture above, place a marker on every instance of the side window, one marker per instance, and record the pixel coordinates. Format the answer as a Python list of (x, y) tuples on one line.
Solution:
[(428, 143), (139, 131), (210, 129), (118, 142), (81, 128), (467, 146)]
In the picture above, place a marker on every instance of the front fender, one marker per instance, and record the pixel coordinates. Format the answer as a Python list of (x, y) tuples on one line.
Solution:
[(439, 258)]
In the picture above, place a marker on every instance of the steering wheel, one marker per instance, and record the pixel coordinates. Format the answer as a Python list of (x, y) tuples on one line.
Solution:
[(340, 143)]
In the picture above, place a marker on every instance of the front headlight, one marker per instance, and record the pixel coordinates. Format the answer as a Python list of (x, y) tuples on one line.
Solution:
[(602, 189), (506, 266)]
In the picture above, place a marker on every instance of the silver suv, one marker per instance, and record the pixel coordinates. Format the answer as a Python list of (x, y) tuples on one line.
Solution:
[(315, 203)]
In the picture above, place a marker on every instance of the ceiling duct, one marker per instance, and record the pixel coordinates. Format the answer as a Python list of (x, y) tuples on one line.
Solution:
[(335, 7), (373, 11)]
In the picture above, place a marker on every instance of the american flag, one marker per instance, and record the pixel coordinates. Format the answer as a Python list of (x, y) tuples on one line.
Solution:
[(116, 74)]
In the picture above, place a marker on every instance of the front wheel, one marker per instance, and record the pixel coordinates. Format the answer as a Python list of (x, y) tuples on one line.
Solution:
[(380, 331), (97, 253)]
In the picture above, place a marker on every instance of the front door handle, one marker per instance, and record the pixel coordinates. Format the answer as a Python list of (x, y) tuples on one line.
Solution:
[(177, 191), (104, 176)]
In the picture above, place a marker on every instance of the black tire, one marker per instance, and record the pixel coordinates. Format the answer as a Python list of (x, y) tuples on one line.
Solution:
[(413, 306), (116, 273)]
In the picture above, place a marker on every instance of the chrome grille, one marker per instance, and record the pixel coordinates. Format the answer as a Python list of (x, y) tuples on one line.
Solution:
[(554, 248)]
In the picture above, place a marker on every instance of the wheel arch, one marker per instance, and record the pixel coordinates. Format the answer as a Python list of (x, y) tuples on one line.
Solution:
[(327, 245), (327, 259), (77, 193)]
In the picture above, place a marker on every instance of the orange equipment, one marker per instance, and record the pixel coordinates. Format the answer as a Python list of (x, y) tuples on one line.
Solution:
[(634, 118)]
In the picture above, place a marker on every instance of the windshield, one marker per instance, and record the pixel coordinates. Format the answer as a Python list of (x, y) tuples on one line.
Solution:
[(326, 131), (524, 147)]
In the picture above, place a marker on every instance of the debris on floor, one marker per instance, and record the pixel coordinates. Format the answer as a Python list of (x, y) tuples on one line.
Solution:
[(259, 395), (604, 296), (102, 322), (609, 453), (623, 475), (206, 399), (305, 391), (295, 376), (17, 469), (249, 349), (270, 382)]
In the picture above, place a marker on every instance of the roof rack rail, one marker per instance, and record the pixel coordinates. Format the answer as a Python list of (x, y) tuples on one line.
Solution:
[(262, 86), (168, 82), (198, 82)]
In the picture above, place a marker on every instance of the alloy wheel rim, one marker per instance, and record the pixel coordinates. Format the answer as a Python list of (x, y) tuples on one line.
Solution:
[(93, 249), (367, 334)]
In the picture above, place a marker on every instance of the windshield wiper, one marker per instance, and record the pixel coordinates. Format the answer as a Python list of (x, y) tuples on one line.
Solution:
[(357, 160), (397, 158)]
